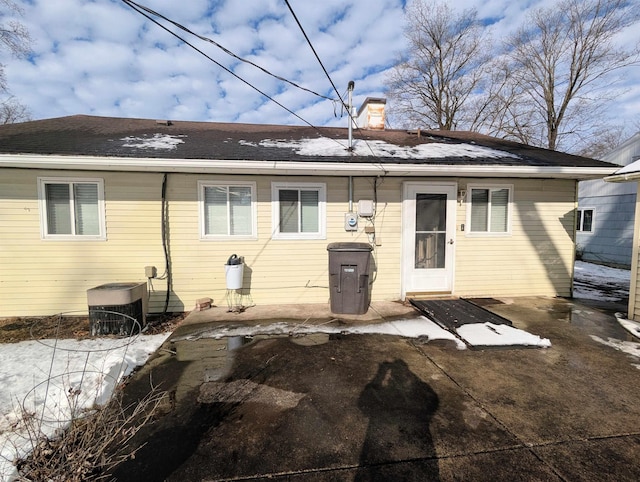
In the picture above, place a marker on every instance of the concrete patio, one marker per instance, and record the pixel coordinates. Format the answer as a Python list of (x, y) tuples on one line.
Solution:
[(380, 407)]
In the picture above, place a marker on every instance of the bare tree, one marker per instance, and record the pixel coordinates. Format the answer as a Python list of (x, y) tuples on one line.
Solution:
[(433, 86), (606, 138), (561, 64), (14, 38), (12, 111)]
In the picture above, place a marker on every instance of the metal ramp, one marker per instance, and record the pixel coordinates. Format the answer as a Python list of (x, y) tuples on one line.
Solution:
[(453, 313)]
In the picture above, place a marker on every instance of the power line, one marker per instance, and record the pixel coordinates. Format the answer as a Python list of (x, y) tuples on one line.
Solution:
[(315, 53), (141, 12), (226, 50), (348, 107)]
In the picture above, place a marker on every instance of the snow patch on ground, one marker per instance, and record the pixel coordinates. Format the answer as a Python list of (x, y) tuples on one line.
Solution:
[(489, 334), (631, 326), (596, 282), (55, 378), (628, 347), (420, 327), (476, 334)]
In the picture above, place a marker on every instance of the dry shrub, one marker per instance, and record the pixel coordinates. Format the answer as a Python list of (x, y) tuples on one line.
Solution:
[(92, 445)]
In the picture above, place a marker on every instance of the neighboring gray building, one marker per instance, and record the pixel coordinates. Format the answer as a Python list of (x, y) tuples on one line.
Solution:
[(606, 213)]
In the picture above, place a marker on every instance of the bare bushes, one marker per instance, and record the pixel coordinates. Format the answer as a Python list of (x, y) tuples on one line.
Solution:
[(93, 443)]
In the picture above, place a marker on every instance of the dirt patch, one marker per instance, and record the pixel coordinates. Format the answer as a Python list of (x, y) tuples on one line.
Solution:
[(17, 329)]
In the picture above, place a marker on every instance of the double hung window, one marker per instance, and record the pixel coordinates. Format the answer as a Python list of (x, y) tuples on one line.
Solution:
[(584, 220), (227, 210), (72, 209), (298, 211), (489, 209)]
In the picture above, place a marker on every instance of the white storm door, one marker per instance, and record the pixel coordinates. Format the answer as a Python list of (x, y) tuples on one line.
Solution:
[(428, 236)]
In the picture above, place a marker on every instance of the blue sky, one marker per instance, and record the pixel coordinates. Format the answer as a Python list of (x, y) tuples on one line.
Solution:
[(100, 57)]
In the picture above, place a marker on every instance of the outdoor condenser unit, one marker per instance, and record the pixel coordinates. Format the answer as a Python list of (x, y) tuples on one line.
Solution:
[(113, 307)]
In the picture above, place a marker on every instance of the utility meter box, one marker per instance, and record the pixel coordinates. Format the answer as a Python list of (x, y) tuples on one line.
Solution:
[(350, 222), (349, 265)]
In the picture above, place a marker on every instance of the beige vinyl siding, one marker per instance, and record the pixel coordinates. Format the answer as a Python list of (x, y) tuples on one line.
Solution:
[(44, 277), (536, 258), (41, 277), (277, 271)]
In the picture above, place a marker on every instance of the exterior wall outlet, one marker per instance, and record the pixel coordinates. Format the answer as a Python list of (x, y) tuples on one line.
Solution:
[(350, 222), (150, 271)]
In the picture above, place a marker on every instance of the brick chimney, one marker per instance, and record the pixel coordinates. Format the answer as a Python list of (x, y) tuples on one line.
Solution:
[(371, 113)]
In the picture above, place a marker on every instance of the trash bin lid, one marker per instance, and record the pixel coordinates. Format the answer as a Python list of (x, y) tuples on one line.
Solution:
[(234, 259), (349, 247)]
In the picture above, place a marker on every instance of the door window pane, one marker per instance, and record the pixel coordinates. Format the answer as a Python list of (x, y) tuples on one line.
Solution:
[(430, 250), (431, 226), (431, 212)]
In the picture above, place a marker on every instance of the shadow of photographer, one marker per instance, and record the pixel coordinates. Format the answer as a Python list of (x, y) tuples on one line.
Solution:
[(398, 443)]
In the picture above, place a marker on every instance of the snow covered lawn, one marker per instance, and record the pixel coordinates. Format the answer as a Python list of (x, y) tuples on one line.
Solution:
[(595, 282), (53, 378)]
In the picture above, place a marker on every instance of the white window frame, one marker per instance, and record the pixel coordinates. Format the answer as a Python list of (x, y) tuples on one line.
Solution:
[(581, 210), (227, 237), (490, 187), (321, 188), (42, 200)]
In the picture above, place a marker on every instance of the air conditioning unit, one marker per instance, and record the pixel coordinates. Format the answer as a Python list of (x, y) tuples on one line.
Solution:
[(114, 308)]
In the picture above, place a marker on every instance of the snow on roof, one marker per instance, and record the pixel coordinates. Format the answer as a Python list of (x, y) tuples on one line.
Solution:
[(325, 146), (629, 168), (157, 141)]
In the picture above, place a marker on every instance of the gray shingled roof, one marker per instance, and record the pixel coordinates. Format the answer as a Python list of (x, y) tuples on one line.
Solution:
[(82, 135)]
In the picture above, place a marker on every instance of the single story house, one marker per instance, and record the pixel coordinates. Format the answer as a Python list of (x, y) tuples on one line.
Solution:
[(606, 213), (89, 200)]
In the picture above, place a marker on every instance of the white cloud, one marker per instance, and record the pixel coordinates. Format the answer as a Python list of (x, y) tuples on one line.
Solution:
[(103, 58)]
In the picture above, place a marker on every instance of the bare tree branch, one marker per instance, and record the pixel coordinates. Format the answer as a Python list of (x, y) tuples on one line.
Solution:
[(443, 67), (14, 37), (12, 111), (561, 58)]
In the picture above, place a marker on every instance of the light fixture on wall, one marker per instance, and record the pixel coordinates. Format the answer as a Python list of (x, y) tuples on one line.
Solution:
[(462, 196)]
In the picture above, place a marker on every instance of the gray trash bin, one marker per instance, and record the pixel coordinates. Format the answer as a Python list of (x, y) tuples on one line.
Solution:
[(349, 277)]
